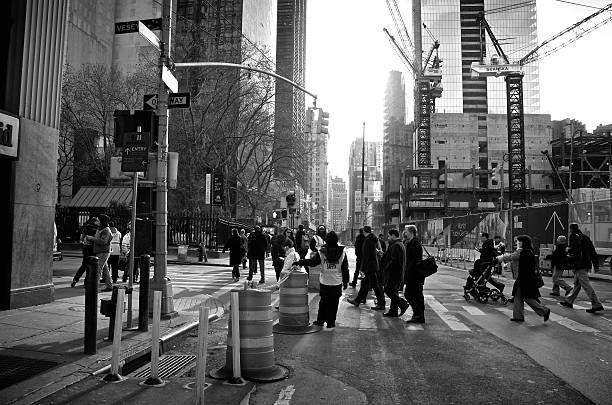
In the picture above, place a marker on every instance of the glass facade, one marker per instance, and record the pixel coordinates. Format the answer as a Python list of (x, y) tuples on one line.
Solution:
[(515, 29)]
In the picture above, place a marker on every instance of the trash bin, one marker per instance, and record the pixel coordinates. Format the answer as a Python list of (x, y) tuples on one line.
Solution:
[(182, 253)]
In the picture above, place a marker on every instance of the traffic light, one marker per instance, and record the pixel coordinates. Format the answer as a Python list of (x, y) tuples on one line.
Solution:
[(495, 175), (323, 122), (290, 200)]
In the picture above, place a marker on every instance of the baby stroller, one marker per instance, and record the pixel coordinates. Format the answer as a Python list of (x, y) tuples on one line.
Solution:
[(476, 284)]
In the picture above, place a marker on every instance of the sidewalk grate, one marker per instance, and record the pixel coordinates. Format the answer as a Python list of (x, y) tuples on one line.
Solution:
[(168, 366), (16, 369)]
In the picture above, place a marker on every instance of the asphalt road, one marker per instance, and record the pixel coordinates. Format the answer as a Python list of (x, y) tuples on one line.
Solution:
[(466, 352)]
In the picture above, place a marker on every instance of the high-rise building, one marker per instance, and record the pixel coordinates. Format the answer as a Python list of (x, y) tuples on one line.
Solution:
[(290, 102), (361, 210), (317, 139), (397, 143), (454, 24), (337, 201)]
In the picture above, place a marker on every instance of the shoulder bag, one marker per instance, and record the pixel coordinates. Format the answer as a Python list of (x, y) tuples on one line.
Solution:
[(426, 267)]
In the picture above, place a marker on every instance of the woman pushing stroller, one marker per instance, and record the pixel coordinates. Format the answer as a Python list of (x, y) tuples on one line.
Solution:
[(525, 287)]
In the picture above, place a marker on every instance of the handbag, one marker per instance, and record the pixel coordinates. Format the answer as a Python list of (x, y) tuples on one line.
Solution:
[(426, 267), (538, 278)]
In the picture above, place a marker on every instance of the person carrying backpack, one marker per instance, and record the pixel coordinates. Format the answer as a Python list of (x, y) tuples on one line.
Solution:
[(581, 253)]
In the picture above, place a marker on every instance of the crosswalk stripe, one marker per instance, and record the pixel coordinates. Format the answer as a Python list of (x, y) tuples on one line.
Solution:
[(473, 310), (443, 313), (568, 323)]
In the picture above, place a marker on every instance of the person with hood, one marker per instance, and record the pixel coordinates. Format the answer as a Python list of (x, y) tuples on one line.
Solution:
[(256, 253), (394, 261), (369, 265), (581, 254), (558, 264), (525, 289), (412, 279), (115, 251), (278, 253), (101, 248), (88, 229), (358, 246), (234, 245), (334, 277)]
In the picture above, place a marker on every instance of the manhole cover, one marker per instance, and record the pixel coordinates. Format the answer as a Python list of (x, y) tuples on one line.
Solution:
[(168, 366), (16, 369)]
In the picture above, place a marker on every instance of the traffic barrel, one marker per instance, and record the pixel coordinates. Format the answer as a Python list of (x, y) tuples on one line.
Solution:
[(256, 340), (293, 306)]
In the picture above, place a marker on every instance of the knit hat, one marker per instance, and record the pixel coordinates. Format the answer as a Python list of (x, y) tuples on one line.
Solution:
[(561, 240)]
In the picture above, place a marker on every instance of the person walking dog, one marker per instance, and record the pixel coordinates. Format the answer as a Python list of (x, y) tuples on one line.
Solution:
[(581, 254), (525, 288)]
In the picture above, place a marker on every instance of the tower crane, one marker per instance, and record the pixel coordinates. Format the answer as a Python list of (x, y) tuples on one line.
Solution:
[(427, 81), (513, 73)]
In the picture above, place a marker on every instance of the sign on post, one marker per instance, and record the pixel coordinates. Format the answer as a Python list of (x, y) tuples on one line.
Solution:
[(130, 27), (135, 156), (217, 189), (175, 100)]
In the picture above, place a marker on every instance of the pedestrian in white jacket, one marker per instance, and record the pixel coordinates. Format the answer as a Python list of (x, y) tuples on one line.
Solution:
[(291, 256)]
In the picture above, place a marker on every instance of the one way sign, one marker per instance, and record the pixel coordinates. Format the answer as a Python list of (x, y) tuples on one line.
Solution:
[(175, 100)]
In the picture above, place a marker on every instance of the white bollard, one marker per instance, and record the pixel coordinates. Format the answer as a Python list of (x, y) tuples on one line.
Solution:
[(235, 311), (154, 377), (201, 360), (114, 376)]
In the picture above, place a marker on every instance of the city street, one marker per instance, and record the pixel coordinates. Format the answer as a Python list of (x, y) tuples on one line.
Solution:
[(466, 351)]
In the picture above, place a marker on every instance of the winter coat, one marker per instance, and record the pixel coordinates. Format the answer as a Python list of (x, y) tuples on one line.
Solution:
[(245, 243), (257, 245), (414, 254), (526, 279), (488, 251), (290, 257), (301, 241), (558, 258), (369, 255), (89, 229), (393, 263), (513, 259), (359, 244), (581, 252), (234, 245), (277, 242), (102, 241), (115, 247), (334, 264)]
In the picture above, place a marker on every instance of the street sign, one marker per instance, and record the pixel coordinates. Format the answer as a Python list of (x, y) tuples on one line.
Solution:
[(175, 100), (169, 79), (179, 100), (148, 35), (207, 190), (134, 158), (129, 27), (150, 102), (217, 189)]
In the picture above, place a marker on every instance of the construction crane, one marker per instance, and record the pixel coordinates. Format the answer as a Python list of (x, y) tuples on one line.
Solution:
[(513, 73), (427, 81)]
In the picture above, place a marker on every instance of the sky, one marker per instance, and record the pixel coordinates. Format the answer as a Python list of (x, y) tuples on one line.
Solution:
[(348, 59)]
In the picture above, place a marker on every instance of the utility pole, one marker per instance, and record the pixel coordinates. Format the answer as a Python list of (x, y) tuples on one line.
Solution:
[(362, 172), (160, 280)]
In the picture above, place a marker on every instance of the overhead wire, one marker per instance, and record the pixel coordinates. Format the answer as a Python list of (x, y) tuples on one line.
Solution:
[(579, 4)]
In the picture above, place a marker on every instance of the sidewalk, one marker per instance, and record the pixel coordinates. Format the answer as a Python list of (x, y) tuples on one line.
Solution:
[(41, 347)]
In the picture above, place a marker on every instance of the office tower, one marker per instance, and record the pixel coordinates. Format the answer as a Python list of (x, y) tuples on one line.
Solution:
[(290, 102), (454, 24), (316, 179), (361, 209), (337, 201), (397, 142)]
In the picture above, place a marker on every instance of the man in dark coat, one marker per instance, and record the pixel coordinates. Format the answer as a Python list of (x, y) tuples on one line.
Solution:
[(412, 279), (369, 265), (234, 244), (581, 255), (301, 241), (358, 246), (278, 253), (394, 261), (256, 253), (487, 249)]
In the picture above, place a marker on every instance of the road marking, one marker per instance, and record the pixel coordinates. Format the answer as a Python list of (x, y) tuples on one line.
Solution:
[(442, 312), (285, 395), (415, 327), (367, 320), (473, 310), (569, 323)]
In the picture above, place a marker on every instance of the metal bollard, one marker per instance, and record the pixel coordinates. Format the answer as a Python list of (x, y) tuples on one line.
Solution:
[(114, 375), (111, 319), (154, 379), (143, 295), (91, 305), (201, 359)]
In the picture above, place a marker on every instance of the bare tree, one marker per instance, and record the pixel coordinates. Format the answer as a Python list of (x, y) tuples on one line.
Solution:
[(90, 95)]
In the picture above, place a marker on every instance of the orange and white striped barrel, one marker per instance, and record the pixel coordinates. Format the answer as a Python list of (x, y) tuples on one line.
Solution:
[(256, 339), (293, 306)]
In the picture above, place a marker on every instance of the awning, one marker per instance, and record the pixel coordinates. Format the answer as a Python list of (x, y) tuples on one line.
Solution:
[(101, 197)]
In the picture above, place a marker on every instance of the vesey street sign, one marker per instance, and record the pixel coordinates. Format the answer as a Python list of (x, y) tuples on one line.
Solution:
[(128, 27), (175, 100)]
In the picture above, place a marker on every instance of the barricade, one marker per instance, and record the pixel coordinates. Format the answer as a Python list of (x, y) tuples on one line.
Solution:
[(256, 340), (293, 306)]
